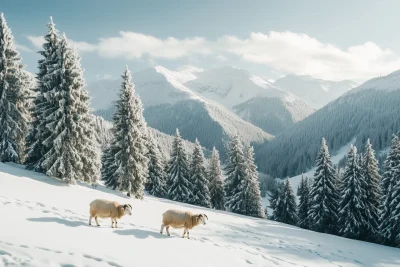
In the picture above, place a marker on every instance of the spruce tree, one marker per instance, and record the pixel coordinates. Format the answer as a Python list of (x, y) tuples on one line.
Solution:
[(287, 205), (235, 171), (74, 152), (372, 178), (253, 206), (156, 183), (389, 201), (215, 181), (198, 178), (49, 79), (13, 97), (179, 186), (129, 170), (324, 194), (352, 215), (304, 204), (275, 203)]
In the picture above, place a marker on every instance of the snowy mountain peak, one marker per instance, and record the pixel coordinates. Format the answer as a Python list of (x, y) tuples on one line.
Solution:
[(315, 92)]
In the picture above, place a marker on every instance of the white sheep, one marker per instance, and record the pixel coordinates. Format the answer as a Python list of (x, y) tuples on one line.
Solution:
[(108, 209), (181, 219)]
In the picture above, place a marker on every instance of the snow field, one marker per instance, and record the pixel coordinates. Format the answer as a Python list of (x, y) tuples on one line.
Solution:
[(45, 223)]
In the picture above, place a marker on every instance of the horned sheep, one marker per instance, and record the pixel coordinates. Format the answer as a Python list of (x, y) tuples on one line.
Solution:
[(108, 209), (181, 219)]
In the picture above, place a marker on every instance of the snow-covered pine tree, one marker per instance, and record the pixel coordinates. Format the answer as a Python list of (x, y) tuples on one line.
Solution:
[(48, 79), (392, 230), (13, 97), (370, 171), (252, 192), (389, 186), (74, 152), (179, 186), (352, 215), (304, 204), (287, 205), (198, 178), (235, 171), (324, 194), (275, 204), (129, 170), (156, 183), (215, 181)]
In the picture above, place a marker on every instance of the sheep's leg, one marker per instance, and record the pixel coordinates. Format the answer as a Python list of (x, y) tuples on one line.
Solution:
[(95, 218), (112, 222), (162, 228), (188, 234), (184, 232), (116, 223), (90, 220), (167, 228)]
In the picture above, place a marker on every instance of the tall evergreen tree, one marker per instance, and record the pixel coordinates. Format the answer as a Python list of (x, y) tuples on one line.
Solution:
[(49, 79), (180, 188), (389, 185), (304, 204), (129, 170), (215, 181), (287, 205), (352, 214), (392, 230), (253, 206), (324, 194), (235, 171), (13, 112), (156, 183), (198, 178), (372, 178), (275, 203), (74, 152)]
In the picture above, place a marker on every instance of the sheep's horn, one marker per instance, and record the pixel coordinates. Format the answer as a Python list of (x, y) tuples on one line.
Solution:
[(206, 216), (130, 206)]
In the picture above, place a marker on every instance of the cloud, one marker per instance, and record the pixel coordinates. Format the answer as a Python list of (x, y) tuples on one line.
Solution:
[(283, 52), (133, 45), (38, 41), (300, 54), (22, 47), (221, 58)]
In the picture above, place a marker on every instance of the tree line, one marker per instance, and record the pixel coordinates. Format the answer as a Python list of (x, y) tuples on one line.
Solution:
[(358, 203), (56, 134)]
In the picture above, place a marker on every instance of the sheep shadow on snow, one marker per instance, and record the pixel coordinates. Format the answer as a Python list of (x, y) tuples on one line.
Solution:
[(68, 223), (141, 234)]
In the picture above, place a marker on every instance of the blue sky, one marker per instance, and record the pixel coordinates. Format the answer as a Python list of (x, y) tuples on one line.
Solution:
[(326, 39)]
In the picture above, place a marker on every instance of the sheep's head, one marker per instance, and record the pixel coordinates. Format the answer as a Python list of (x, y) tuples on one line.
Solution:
[(127, 209), (202, 219)]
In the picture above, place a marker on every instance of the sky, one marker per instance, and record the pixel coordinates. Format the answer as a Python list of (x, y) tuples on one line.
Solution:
[(334, 40)]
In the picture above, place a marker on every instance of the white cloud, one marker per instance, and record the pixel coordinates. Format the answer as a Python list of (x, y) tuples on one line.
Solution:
[(22, 47), (221, 58), (283, 52), (38, 41), (133, 45), (300, 54)]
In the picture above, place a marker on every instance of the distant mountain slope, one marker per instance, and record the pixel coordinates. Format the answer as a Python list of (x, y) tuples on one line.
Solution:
[(169, 104), (252, 98), (369, 111), (315, 92)]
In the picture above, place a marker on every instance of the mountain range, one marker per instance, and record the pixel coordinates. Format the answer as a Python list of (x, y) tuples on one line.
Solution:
[(213, 104)]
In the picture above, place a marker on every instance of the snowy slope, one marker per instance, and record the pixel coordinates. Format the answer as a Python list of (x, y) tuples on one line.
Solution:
[(47, 226), (387, 83), (315, 92)]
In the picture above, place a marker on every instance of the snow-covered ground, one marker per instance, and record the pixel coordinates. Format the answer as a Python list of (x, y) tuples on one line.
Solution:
[(45, 223)]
